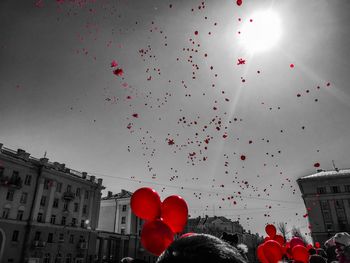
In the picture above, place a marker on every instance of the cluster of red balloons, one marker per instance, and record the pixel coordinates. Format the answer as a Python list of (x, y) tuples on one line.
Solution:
[(163, 219), (275, 247)]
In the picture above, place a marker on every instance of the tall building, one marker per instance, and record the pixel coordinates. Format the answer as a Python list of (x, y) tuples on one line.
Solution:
[(119, 230), (326, 196), (48, 212)]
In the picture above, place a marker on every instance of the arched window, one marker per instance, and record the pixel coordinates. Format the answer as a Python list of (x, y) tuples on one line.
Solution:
[(58, 258)]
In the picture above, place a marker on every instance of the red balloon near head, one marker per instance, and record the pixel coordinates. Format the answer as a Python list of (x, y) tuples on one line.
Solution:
[(279, 239), (156, 236), (317, 245), (174, 213), (273, 251), (296, 241), (239, 2), (145, 203), (300, 253), (261, 255), (270, 230)]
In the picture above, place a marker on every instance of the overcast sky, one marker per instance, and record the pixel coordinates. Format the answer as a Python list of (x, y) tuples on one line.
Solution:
[(232, 141)]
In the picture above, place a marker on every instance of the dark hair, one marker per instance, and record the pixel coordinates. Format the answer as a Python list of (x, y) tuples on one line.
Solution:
[(200, 248), (232, 239)]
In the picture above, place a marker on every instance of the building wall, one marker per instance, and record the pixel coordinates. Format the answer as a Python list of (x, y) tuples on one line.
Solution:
[(21, 218), (107, 215), (328, 209)]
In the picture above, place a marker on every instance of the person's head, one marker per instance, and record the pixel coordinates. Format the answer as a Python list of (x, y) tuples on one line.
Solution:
[(200, 248), (232, 239)]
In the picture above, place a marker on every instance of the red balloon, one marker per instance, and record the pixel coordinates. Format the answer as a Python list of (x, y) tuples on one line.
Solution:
[(267, 239), (309, 246), (239, 2), (261, 255), (296, 241), (300, 253), (317, 245), (175, 213), (156, 236), (270, 230), (279, 239), (273, 251), (145, 203)]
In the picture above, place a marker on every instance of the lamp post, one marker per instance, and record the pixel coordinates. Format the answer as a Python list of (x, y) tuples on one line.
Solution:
[(87, 224)]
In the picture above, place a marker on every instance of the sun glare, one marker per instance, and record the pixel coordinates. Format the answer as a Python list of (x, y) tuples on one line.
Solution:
[(260, 32)]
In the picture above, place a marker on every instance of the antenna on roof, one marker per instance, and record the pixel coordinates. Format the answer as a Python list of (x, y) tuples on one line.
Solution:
[(335, 168), (45, 154)]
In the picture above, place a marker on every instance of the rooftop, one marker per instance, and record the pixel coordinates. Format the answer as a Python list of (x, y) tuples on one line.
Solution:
[(22, 155), (122, 194), (327, 174)]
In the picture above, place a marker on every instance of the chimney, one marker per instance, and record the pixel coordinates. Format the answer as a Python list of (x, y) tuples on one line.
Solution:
[(62, 167), (1, 144), (84, 175), (23, 154), (99, 181), (92, 178), (44, 160), (110, 193)]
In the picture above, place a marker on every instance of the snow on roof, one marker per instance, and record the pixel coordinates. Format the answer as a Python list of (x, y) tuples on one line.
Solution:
[(327, 174)]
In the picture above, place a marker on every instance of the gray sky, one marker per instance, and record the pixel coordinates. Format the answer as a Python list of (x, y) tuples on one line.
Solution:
[(59, 94)]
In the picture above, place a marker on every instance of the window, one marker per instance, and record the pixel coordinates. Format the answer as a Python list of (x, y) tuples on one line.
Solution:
[(327, 216), (69, 188), (46, 258), (20, 215), (50, 238), (28, 179), (347, 188), (58, 258), (46, 183), (55, 203), (43, 200), (335, 189), (53, 219), (76, 207), (77, 192), (69, 258), (61, 237), (74, 221), (5, 213), (86, 194), (10, 194), (65, 206), (71, 239), (15, 235), (122, 231), (40, 217), (124, 208), (321, 190), (123, 219), (37, 236), (2, 169), (59, 187), (24, 197), (324, 205), (82, 223), (85, 209)]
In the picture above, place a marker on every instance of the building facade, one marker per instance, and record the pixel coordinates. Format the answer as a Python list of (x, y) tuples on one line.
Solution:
[(48, 213), (326, 195), (119, 230)]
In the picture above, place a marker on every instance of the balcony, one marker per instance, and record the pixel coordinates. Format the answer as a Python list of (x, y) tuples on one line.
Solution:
[(11, 182), (39, 244), (83, 245), (68, 196)]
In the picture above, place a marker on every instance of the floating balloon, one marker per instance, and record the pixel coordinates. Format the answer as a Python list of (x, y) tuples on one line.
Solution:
[(270, 230), (156, 236), (261, 255), (279, 239), (273, 251), (300, 253), (146, 204), (317, 245), (174, 213)]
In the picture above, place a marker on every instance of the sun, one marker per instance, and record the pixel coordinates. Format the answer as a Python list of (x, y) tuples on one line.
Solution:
[(260, 32)]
